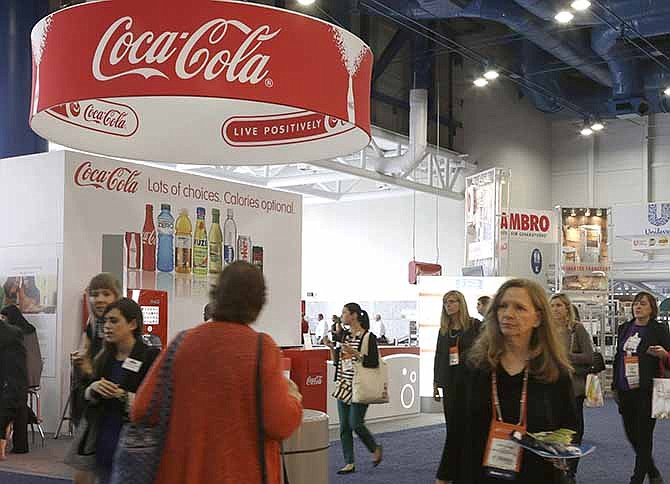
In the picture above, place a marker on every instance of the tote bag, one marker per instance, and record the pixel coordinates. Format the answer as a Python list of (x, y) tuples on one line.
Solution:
[(370, 385), (594, 392), (660, 399)]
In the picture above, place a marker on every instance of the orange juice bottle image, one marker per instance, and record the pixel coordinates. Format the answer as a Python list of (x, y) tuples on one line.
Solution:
[(183, 242)]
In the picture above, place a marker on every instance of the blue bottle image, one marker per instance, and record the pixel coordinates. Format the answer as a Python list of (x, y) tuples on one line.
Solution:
[(165, 239)]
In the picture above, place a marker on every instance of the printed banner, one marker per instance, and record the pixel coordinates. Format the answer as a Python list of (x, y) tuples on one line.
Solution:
[(205, 81), (530, 225)]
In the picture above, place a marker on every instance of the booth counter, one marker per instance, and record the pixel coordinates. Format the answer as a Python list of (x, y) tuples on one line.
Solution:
[(313, 372)]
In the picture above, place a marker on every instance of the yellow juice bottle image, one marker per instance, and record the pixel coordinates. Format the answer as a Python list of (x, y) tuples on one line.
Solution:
[(183, 242), (200, 244), (215, 244)]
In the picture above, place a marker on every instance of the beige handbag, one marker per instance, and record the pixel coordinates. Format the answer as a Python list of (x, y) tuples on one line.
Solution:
[(370, 385)]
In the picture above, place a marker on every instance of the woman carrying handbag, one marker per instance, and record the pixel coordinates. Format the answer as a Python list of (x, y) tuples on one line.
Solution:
[(352, 415)]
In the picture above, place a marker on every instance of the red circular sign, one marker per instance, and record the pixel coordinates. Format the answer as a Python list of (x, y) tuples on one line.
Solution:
[(205, 81)]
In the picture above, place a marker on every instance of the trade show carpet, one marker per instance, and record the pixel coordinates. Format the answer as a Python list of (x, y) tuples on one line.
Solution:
[(412, 456)]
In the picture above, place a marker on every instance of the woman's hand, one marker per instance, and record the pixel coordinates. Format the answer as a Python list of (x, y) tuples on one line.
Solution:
[(327, 342), (107, 389), (658, 351), (83, 363), (294, 391)]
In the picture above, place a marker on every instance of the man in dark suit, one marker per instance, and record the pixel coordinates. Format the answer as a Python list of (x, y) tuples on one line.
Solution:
[(13, 378)]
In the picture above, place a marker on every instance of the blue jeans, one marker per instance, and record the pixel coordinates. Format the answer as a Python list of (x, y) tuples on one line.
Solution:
[(352, 419)]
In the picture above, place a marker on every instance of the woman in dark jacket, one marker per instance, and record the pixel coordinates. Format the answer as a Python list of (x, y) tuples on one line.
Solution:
[(641, 346), (119, 369), (34, 372), (521, 381), (457, 334), (351, 414), (13, 378)]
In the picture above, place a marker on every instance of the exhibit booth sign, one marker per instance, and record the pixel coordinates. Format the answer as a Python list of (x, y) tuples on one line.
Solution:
[(204, 82)]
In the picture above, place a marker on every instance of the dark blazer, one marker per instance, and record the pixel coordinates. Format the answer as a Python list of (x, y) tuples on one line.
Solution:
[(443, 374), (657, 334), (13, 372), (371, 360), (130, 381)]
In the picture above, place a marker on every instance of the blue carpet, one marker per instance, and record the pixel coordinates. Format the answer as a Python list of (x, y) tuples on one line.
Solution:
[(412, 456), (12, 478)]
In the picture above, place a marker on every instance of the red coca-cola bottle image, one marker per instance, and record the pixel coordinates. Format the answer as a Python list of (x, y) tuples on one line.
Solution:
[(149, 240)]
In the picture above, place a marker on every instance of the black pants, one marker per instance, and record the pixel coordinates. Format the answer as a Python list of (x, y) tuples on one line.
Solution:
[(449, 468), (20, 439), (635, 410)]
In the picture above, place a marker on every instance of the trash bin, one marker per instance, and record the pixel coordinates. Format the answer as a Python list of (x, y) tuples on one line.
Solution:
[(306, 451)]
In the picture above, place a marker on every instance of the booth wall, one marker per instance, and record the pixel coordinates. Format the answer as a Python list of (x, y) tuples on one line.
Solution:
[(354, 251), (31, 209)]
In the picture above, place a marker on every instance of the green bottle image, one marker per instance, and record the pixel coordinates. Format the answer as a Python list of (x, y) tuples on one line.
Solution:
[(200, 245), (215, 244)]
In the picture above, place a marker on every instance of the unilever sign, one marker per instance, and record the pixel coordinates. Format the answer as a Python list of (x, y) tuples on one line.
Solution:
[(658, 218)]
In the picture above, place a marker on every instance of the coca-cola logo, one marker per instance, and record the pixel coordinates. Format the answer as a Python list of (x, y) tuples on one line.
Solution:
[(99, 115), (314, 380), (120, 179), (122, 52), (149, 238)]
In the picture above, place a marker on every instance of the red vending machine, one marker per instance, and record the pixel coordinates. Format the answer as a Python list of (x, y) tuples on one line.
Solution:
[(154, 306)]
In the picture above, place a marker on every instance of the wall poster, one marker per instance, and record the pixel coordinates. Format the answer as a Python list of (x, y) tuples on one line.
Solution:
[(584, 254)]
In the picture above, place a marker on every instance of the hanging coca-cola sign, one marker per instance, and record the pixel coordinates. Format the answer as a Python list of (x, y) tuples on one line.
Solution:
[(205, 81)]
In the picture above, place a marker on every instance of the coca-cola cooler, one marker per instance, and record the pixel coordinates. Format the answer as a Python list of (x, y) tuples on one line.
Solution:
[(308, 371), (154, 306)]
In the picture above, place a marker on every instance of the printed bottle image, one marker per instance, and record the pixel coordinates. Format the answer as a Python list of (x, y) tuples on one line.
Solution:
[(257, 257), (149, 240), (183, 242), (229, 238), (200, 245), (215, 241), (165, 239), (244, 248)]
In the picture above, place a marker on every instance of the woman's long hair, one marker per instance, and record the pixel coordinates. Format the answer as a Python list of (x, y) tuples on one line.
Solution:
[(464, 320), (130, 310), (572, 320), (547, 353)]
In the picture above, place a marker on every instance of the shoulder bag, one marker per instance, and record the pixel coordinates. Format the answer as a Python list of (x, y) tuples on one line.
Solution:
[(138, 454), (370, 385), (660, 399)]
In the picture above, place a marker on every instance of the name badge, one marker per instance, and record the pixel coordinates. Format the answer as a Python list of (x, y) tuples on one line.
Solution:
[(347, 364), (453, 356), (132, 365), (632, 369), (502, 459)]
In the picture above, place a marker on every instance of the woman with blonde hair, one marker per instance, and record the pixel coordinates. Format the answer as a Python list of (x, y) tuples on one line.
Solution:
[(580, 352), (457, 334), (520, 381)]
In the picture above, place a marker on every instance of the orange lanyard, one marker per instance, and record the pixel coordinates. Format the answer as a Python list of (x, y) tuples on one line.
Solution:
[(497, 412)]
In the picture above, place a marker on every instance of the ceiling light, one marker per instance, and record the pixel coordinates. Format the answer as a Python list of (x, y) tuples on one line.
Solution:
[(597, 126), (586, 131), (564, 17), (491, 74), (580, 5), (480, 82), (306, 2), (667, 91), (573, 213), (588, 212), (599, 213)]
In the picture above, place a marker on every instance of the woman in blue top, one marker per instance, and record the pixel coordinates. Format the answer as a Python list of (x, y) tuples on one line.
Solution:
[(119, 370), (641, 345)]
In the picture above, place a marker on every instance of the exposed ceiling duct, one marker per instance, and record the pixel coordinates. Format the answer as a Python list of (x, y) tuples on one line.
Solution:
[(418, 138)]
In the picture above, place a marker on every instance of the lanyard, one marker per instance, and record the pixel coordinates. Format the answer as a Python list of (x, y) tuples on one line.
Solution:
[(496, 400)]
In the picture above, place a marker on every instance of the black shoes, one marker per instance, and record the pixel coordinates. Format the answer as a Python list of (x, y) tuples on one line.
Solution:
[(348, 469)]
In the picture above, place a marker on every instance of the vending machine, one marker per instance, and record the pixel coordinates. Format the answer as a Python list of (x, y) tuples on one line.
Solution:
[(154, 306)]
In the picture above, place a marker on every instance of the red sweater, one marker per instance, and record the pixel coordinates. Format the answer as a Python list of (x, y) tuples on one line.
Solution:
[(212, 437)]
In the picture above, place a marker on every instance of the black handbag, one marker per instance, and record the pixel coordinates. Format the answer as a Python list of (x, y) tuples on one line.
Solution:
[(598, 364)]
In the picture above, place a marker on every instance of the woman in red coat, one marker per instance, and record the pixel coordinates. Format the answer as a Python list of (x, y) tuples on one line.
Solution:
[(213, 435)]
